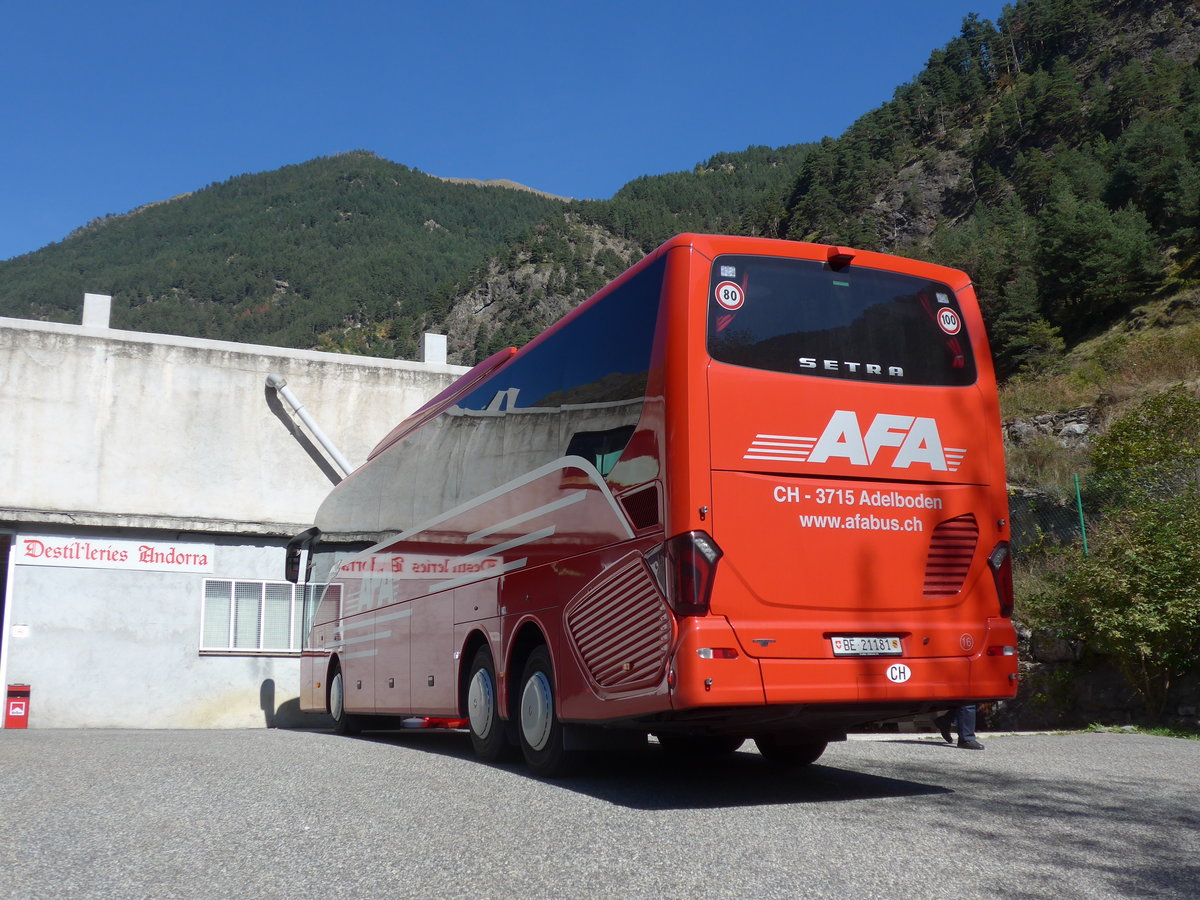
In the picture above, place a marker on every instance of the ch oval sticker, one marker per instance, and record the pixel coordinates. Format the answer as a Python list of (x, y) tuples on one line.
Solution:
[(899, 673)]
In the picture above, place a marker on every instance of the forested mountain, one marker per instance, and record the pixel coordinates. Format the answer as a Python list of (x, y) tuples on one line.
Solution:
[(730, 193), (1053, 154), (561, 261), (285, 257)]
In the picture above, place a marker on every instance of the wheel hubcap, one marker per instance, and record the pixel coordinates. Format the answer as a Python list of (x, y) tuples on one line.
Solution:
[(537, 711), (336, 700), (481, 704)]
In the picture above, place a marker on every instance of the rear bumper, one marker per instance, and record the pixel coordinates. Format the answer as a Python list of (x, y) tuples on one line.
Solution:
[(877, 680), (698, 682)]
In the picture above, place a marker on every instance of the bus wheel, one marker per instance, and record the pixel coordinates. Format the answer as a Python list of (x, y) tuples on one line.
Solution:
[(699, 746), (488, 736), (342, 723), (789, 750), (540, 731)]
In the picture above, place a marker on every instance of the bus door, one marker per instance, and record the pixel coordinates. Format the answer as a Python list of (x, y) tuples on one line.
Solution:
[(434, 689), (364, 587), (393, 691), (298, 568)]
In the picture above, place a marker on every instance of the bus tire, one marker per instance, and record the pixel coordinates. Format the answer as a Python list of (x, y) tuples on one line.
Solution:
[(699, 746), (540, 731), (489, 736), (342, 722), (789, 750)]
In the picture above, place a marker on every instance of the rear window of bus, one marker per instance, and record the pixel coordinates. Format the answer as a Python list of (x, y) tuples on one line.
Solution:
[(806, 318)]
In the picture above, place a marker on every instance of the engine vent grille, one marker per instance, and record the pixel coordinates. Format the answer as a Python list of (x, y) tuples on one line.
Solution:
[(951, 549), (642, 507), (620, 629)]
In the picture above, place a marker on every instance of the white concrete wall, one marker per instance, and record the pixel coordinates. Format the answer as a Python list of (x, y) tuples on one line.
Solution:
[(118, 434), (169, 431), (110, 648)]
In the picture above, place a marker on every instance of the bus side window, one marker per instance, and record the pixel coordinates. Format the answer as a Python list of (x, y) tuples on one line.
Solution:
[(601, 448)]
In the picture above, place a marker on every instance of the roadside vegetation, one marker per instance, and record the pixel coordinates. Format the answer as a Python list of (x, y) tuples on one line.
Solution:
[(1188, 734), (1132, 591)]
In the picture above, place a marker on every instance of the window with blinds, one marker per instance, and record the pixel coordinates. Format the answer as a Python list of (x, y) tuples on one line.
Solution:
[(251, 616)]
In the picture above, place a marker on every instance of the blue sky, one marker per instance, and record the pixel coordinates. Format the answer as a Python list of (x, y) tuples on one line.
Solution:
[(108, 106)]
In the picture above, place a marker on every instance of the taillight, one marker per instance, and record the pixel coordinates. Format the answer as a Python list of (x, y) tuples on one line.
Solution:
[(685, 566), (1000, 562)]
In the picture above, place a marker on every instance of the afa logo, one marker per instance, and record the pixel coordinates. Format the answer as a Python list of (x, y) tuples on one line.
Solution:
[(915, 440)]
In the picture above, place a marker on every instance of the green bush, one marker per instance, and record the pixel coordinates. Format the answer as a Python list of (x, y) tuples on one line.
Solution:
[(1160, 431), (1136, 597)]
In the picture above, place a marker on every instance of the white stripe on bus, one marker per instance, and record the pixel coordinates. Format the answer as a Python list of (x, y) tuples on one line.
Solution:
[(345, 642), (402, 614), (499, 549), (574, 497), (784, 437), (777, 458)]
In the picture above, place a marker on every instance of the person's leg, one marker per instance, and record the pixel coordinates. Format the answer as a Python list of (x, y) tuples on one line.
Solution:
[(943, 723), (965, 721)]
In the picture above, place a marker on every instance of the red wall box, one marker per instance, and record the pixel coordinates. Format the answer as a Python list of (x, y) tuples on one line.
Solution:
[(16, 710)]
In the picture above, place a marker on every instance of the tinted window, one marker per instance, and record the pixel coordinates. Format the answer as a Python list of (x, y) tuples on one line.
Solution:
[(580, 393), (802, 317), (603, 356)]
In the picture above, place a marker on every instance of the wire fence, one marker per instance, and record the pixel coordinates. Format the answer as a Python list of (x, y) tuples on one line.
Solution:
[(1065, 516)]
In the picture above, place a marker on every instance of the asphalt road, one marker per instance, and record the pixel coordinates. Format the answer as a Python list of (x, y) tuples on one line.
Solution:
[(303, 814)]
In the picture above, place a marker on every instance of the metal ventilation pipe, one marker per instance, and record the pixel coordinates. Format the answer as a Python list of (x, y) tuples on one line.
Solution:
[(279, 383)]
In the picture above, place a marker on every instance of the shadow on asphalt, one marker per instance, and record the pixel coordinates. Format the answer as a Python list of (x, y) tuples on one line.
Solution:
[(649, 779)]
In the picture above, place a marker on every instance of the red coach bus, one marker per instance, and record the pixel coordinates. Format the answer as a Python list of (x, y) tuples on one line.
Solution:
[(751, 489)]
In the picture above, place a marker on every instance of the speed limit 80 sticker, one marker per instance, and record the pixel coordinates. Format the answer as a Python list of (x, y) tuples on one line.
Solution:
[(730, 295)]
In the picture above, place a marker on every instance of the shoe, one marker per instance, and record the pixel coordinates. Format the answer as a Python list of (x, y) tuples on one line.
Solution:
[(944, 728), (970, 745)]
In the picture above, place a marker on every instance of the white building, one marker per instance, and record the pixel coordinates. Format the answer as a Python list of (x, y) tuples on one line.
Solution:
[(148, 486)]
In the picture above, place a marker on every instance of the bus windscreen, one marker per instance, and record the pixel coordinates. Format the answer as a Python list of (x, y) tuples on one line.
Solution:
[(807, 318)]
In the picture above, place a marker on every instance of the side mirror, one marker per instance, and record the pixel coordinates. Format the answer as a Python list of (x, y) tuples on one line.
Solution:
[(295, 552), (291, 568)]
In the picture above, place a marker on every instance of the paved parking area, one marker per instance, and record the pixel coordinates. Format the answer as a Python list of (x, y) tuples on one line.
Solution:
[(307, 814)]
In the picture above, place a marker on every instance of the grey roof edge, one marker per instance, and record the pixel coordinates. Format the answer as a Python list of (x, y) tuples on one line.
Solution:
[(20, 519)]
